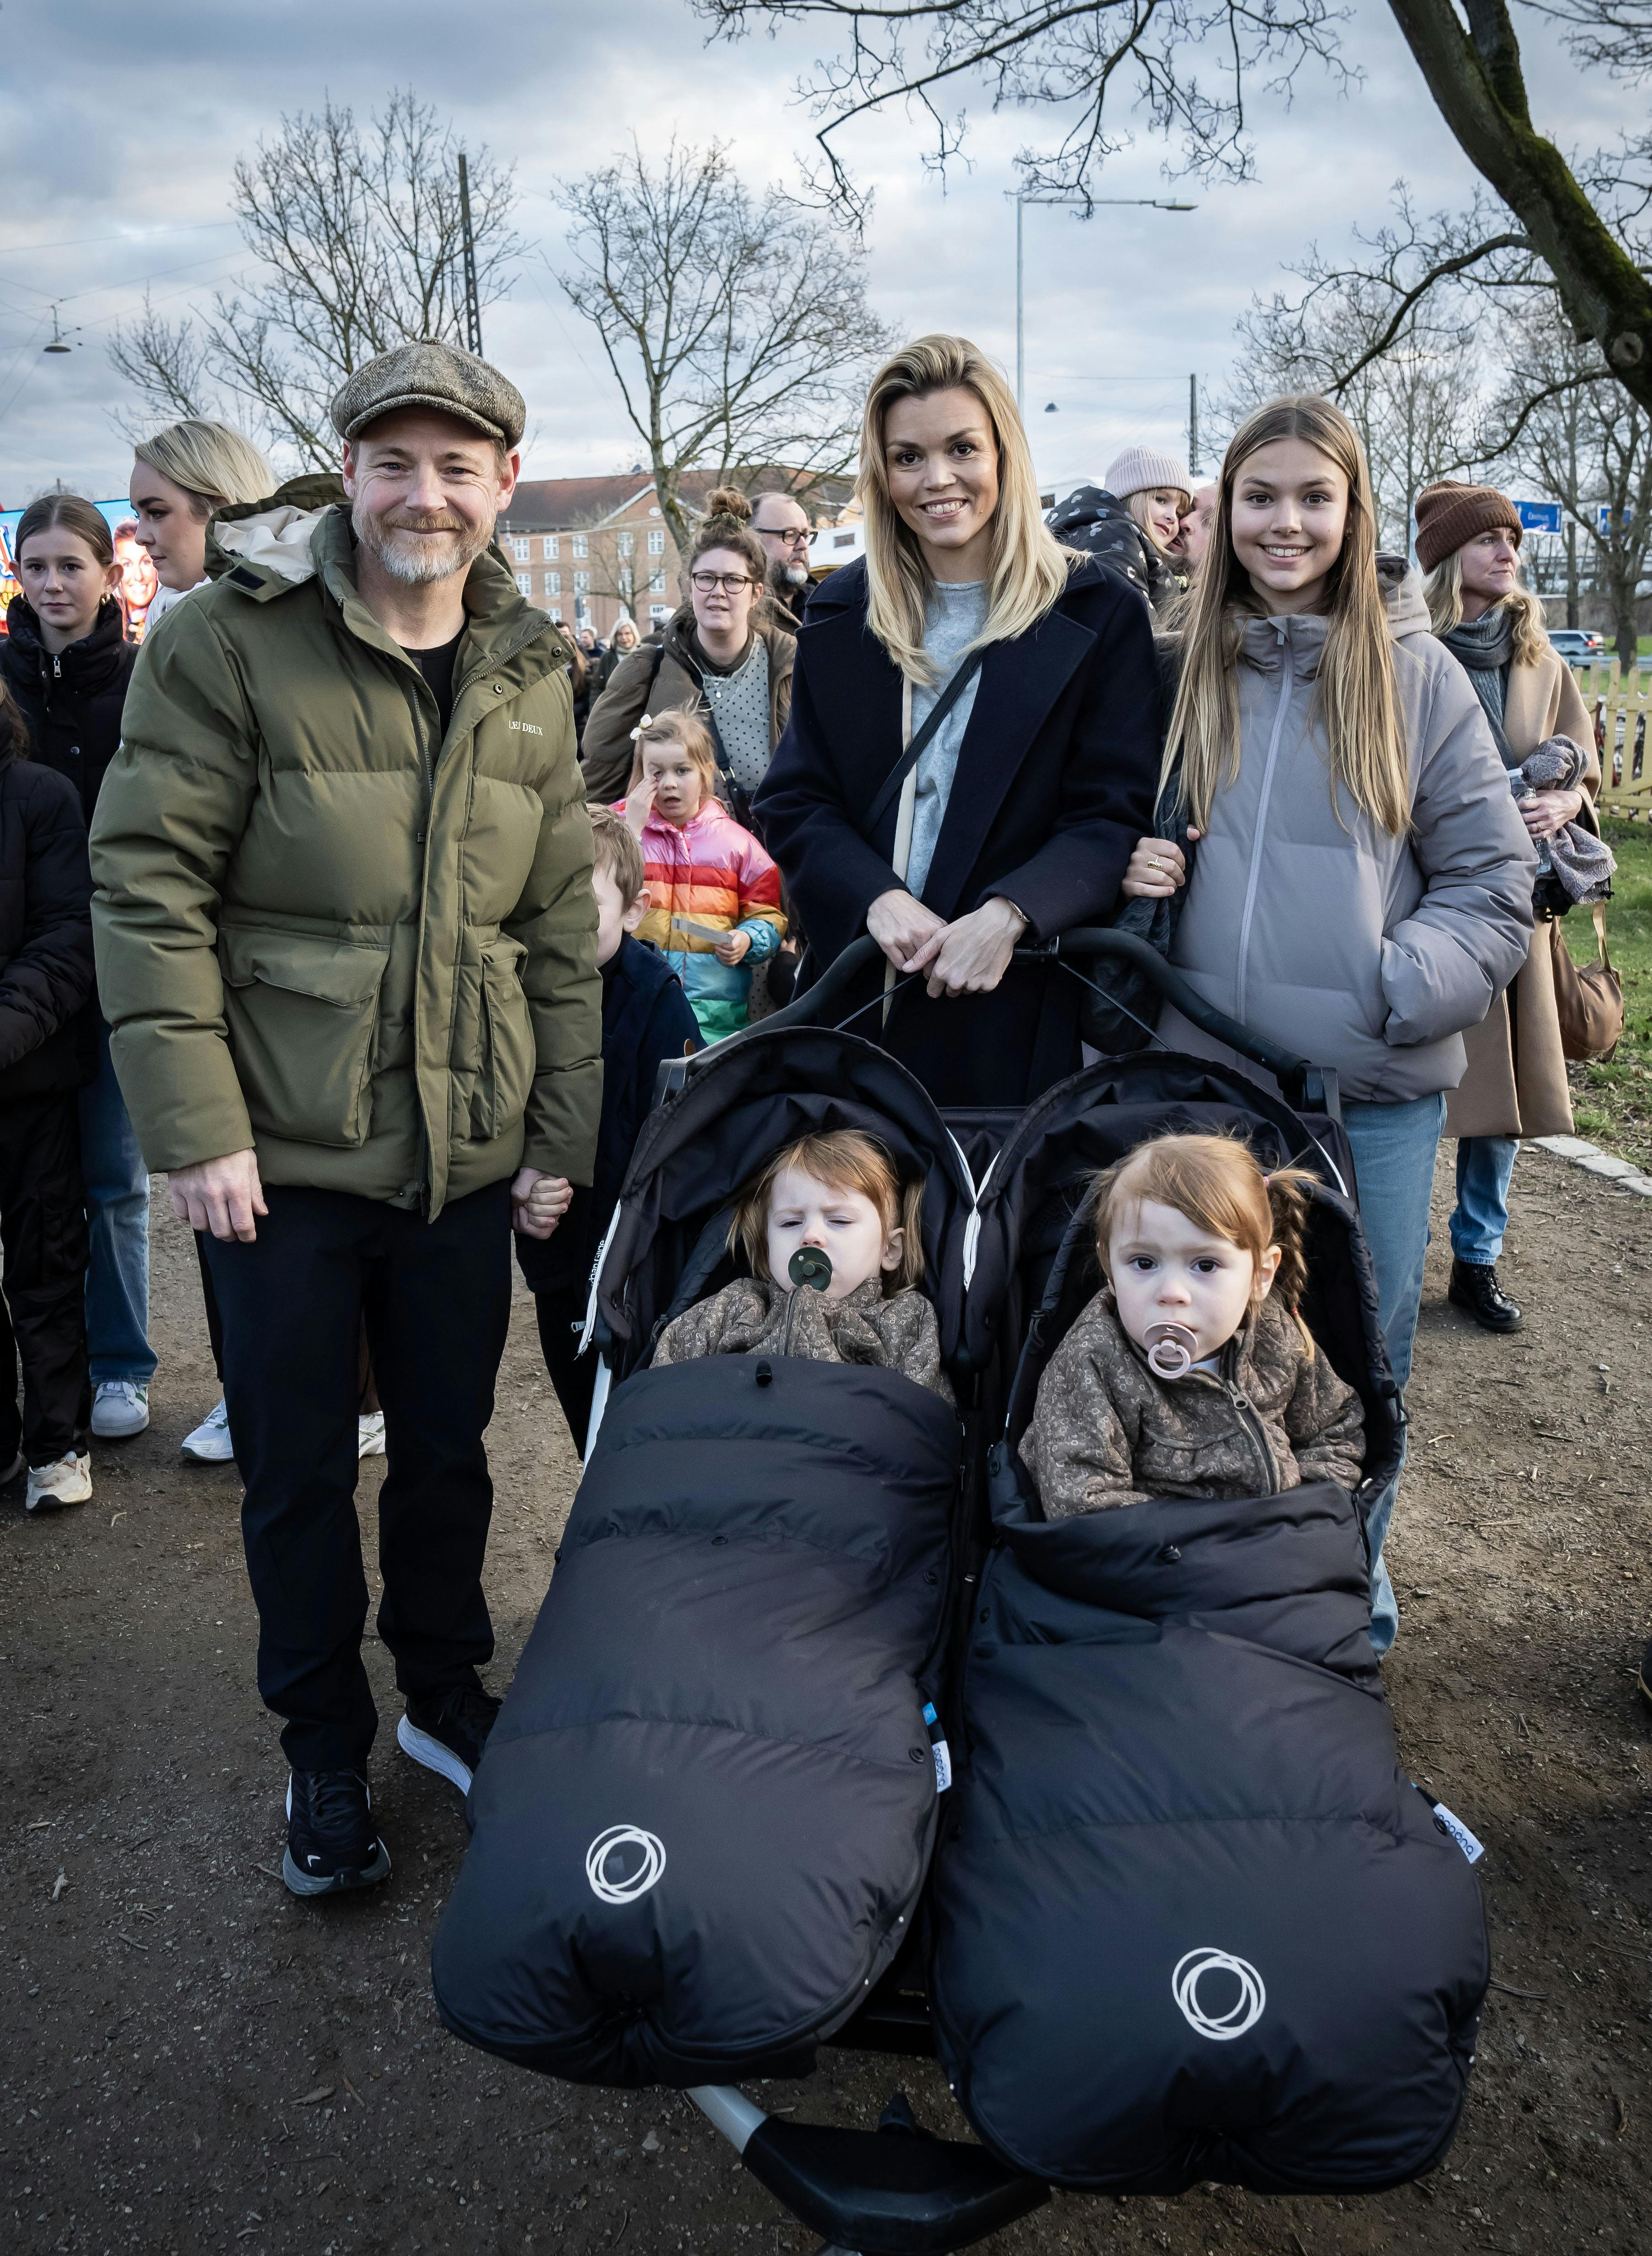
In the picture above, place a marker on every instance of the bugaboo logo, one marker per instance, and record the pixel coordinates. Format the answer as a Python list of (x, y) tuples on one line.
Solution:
[(627, 1887), (1243, 2014)]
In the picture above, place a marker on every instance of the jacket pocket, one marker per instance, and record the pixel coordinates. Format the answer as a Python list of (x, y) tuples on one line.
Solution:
[(494, 1054), (302, 1012)]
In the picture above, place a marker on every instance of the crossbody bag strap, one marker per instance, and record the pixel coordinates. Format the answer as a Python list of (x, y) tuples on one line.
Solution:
[(962, 677), (1600, 915)]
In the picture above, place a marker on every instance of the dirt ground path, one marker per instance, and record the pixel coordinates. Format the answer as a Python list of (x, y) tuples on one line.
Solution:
[(192, 2060)]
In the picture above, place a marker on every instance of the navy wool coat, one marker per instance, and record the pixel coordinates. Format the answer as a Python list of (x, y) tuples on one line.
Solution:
[(1056, 778)]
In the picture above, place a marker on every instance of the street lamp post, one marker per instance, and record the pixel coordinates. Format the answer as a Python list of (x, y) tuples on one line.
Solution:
[(1022, 199)]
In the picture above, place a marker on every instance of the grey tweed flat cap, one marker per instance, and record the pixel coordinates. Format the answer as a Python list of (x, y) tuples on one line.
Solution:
[(431, 374)]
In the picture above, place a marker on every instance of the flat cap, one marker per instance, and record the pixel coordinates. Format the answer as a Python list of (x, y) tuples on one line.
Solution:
[(431, 374)]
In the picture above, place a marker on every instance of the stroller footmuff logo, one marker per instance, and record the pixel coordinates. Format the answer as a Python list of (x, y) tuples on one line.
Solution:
[(621, 1847), (1242, 2014)]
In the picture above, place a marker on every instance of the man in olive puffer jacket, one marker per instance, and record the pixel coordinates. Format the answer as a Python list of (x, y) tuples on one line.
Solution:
[(346, 941)]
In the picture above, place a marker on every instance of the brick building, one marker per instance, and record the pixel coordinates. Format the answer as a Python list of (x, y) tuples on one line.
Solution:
[(591, 551)]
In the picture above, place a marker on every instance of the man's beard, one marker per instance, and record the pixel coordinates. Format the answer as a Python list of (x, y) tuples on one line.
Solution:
[(442, 546), (795, 575)]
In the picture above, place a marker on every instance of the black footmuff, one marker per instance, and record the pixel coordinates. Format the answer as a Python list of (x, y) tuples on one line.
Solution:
[(1190, 1920), (706, 1813)]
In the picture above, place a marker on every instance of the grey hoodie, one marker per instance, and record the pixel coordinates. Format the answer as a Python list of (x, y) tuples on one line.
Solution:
[(1357, 950)]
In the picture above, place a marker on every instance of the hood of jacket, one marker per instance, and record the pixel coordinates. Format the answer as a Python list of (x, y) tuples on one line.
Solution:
[(85, 667), (1298, 638), (272, 538), (682, 647)]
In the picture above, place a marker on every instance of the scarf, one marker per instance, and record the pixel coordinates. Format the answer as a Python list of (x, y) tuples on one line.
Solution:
[(1581, 864), (1485, 648)]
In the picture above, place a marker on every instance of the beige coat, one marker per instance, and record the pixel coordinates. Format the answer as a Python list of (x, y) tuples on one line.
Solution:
[(1515, 1084)]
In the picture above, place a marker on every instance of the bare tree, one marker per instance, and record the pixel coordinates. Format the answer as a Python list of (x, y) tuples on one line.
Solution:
[(1589, 445), (737, 327), (1185, 65), (1414, 404), (357, 232)]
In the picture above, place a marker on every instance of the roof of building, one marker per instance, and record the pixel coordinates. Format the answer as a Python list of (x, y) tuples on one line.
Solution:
[(563, 505)]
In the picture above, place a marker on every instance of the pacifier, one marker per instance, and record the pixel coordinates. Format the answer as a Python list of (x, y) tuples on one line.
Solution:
[(812, 1264), (1171, 1349)]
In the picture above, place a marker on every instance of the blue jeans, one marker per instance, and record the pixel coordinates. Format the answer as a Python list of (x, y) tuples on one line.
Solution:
[(1394, 1152), (1481, 1216), (117, 1223)]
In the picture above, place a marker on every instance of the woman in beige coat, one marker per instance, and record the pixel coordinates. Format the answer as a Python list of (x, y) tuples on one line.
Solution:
[(1468, 542)]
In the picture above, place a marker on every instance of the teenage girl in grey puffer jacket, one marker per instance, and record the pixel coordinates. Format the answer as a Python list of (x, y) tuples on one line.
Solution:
[(1361, 885)]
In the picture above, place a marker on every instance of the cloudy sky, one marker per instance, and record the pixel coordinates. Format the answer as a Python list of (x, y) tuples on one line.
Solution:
[(122, 125)]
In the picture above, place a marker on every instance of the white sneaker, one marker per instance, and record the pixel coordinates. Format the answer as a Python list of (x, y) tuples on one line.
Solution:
[(66, 1480), (120, 1409), (210, 1444), (370, 1434)]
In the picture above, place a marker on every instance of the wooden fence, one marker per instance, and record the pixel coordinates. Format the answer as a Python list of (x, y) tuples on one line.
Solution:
[(1619, 707)]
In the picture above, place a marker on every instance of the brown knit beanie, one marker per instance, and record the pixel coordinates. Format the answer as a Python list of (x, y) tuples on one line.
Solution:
[(1450, 513)]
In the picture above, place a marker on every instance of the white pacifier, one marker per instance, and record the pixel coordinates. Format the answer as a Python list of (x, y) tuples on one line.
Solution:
[(1170, 1350)]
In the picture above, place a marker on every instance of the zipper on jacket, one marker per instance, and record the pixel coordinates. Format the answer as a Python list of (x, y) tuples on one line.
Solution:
[(1252, 1427), (1242, 965)]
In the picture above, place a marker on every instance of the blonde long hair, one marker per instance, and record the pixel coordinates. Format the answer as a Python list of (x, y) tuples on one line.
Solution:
[(1443, 592), (1366, 737), (1029, 567)]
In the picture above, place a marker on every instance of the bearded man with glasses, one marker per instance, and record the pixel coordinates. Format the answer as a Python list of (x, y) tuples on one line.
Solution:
[(726, 654), (779, 523)]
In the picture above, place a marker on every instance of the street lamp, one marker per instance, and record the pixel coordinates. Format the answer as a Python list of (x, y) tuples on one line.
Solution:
[(1023, 197)]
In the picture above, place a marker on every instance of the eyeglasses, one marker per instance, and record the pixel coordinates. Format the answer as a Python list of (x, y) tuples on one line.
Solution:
[(708, 582), (795, 536)]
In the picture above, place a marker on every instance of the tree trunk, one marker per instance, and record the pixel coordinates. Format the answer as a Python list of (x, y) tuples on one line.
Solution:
[(1479, 88)]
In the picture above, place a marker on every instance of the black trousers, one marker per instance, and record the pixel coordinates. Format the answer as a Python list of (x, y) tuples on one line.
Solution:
[(436, 1298), (43, 1321), (574, 1376)]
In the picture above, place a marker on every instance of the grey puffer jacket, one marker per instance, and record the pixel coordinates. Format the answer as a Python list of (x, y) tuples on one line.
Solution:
[(1352, 949)]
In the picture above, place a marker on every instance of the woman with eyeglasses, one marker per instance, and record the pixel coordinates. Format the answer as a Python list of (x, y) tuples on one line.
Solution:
[(723, 655)]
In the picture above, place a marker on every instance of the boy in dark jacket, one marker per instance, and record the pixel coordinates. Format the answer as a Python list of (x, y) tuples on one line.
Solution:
[(645, 1019), (46, 980)]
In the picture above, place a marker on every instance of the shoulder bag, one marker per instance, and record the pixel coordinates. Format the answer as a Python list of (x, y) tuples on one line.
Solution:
[(1589, 997)]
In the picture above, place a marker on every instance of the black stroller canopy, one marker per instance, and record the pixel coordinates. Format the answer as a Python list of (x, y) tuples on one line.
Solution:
[(744, 1102)]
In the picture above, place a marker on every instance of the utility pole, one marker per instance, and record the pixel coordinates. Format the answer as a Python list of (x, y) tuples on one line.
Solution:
[(472, 295), (1193, 426)]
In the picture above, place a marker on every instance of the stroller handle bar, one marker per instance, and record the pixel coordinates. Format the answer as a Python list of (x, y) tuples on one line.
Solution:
[(1308, 1088)]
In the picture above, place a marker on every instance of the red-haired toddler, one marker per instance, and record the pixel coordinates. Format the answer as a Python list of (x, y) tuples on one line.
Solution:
[(1190, 1373), (834, 1192)]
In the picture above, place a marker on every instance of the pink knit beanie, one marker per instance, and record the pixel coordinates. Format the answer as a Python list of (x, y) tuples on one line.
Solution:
[(1142, 469)]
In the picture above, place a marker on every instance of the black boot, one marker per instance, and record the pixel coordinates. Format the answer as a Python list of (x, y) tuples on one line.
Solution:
[(1475, 1286)]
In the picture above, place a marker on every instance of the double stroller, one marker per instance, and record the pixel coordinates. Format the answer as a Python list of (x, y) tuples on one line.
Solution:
[(825, 1735)]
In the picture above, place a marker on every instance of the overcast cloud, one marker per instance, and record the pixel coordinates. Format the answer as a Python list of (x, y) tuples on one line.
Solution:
[(122, 125)]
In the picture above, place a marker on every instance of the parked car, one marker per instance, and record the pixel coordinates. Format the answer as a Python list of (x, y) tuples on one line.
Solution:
[(1577, 644)]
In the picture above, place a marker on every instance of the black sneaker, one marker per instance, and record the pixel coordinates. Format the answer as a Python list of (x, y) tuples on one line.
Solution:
[(447, 1730), (331, 1841), (1475, 1286)]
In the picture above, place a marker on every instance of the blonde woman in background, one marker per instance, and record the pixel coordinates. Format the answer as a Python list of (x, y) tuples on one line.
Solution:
[(1361, 890), (179, 477), (1468, 542), (1018, 818)]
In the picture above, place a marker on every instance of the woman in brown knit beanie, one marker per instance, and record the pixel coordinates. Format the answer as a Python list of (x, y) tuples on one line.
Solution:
[(1468, 543)]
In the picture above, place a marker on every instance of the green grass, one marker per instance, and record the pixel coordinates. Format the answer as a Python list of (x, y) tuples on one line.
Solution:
[(1612, 1104)]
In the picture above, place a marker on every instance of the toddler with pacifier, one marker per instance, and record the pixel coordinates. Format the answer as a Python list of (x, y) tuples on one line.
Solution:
[(1192, 1374), (831, 1235)]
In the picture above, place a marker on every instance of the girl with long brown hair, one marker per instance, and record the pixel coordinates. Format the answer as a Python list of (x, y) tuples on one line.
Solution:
[(1361, 884), (973, 740)]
